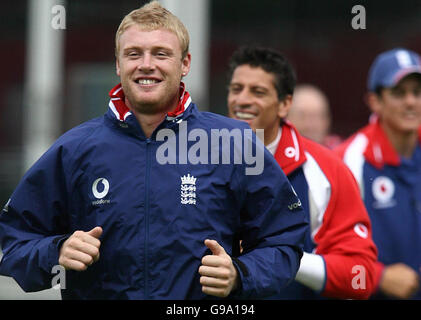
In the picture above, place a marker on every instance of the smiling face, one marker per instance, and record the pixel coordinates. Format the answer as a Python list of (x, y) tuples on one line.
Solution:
[(399, 107), (150, 66), (252, 97)]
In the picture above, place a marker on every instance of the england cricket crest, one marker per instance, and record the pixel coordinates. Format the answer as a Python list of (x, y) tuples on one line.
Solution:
[(188, 189)]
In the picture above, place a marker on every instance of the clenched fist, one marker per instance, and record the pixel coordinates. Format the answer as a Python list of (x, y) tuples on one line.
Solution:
[(218, 275), (80, 250), (399, 281)]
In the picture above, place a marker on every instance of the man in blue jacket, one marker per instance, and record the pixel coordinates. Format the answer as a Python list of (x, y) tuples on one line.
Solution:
[(150, 200), (385, 158)]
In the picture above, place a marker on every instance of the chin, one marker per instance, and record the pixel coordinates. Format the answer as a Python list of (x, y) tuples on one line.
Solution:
[(409, 128)]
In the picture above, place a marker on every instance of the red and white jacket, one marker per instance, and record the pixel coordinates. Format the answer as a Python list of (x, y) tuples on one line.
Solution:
[(340, 226)]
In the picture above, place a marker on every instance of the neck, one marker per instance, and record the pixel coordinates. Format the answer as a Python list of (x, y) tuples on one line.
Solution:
[(149, 122), (403, 142), (271, 134)]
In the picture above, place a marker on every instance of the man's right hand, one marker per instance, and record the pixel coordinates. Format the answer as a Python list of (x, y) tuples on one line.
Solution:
[(80, 250), (399, 281)]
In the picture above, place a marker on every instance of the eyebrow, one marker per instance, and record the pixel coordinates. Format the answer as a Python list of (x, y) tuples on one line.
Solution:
[(252, 87), (260, 88), (155, 48)]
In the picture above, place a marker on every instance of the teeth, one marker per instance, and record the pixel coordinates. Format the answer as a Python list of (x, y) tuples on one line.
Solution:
[(410, 114), (146, 81), (243, 115)]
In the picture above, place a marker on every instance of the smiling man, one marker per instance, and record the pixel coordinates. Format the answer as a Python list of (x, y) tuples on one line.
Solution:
[(339, 254), (100, 201), (151, 88), (385, 157)]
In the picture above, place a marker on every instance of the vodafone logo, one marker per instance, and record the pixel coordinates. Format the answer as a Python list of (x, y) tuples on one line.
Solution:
[(361, 230), (106, 187), (290, 152), (383, 189)]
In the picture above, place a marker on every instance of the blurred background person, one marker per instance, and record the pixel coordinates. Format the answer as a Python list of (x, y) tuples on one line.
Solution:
[(310, 114), (385, 157)]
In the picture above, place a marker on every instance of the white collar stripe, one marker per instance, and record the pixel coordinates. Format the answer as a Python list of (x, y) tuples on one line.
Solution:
[(113, 109), (296, 146)]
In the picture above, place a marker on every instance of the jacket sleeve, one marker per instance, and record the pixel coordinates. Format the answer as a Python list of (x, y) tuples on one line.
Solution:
[(32, 224), (273, 228), (344, 240)]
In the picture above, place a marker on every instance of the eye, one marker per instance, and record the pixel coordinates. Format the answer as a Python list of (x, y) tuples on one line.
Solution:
[(259, 92), (397, 92), (133, 54), (417, 91), (162, 54), (235, 89)]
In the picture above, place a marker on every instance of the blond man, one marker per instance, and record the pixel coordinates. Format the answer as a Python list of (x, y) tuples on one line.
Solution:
[(132, 209)]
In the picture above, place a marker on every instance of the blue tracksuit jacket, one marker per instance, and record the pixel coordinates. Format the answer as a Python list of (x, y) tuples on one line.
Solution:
[(154, 217), (391, 188)]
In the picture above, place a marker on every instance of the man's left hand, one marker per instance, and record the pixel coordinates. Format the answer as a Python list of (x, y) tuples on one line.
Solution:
[(218, 275)]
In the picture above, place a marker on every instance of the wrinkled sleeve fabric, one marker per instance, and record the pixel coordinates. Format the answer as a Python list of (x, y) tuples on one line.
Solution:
[(33, 223), (345, 241), (273, 227)]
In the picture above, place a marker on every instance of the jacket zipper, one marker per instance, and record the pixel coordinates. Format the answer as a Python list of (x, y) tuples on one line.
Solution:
[(147, 178)]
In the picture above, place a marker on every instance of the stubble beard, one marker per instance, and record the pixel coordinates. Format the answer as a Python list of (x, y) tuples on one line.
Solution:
[(152, 106)]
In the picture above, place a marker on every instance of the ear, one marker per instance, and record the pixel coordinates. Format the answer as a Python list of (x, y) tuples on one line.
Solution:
[(374, 102), (284, 106), (117, 67), (185, 65)]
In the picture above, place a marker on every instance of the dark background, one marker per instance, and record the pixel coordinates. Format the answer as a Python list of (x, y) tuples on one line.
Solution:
[(316, 36)]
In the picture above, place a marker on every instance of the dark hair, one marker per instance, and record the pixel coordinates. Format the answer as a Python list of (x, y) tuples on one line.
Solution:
[(269, 60)]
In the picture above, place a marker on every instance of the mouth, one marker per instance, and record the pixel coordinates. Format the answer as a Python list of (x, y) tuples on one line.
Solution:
[(245, 116), (410, 115), (147, 81)]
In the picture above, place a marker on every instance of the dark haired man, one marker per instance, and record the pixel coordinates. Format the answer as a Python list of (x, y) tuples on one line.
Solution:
[(385, 158), (339, 253)]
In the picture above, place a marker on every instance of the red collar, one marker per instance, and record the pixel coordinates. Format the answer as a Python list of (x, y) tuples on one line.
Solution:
[(121, 110), (290, 151), (379, 150)]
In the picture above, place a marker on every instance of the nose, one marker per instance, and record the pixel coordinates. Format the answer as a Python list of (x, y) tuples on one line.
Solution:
[(243, 98), (146, 64)]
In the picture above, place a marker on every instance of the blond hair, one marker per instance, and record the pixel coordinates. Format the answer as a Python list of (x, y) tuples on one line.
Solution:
[(153, 16)]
